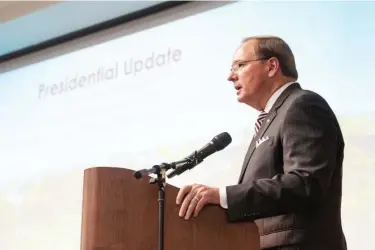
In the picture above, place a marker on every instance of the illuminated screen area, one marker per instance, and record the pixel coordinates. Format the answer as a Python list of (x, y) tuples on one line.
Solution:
[(156, 95)]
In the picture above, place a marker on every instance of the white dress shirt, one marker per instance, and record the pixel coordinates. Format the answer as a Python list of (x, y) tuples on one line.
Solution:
[(269, 104)]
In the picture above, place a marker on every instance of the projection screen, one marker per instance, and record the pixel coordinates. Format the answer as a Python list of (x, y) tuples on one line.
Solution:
[(154, 90)]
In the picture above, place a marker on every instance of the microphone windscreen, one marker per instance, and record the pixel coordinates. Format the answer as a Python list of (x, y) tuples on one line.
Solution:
[(221, 140)]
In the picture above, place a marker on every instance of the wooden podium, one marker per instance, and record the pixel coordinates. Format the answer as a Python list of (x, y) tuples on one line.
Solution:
[(121, 213)]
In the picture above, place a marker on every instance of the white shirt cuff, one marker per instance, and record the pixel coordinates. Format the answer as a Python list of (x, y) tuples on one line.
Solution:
[(223, 197)]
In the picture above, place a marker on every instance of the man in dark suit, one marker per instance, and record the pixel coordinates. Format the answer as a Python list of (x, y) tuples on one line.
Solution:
[(291, 179)]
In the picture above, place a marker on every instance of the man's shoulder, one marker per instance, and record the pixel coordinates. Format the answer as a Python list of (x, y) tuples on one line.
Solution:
[(308, 104), (301, 94), (304, 97), (303, 104)]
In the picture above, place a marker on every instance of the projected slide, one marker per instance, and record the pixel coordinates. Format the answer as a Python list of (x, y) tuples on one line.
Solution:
[(156, 95)]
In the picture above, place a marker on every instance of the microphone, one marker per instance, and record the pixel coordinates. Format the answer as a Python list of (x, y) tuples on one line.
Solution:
[(217, 143)]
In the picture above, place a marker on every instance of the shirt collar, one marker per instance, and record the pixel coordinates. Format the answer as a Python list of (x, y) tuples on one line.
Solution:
[(276, 95)]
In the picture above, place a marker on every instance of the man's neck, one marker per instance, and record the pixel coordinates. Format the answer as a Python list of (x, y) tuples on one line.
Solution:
[(265, 102)]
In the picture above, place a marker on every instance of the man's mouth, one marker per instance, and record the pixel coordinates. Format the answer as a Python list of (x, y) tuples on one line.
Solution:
[(238, 88)]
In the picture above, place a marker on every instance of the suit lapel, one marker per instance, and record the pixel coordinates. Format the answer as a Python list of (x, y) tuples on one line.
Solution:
[(247, 158), (262, 130), (267, 122)]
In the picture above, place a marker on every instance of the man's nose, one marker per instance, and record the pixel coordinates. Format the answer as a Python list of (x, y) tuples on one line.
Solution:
[(231, 77)]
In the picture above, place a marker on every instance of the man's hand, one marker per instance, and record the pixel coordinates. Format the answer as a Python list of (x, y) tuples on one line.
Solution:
[(194, 197)]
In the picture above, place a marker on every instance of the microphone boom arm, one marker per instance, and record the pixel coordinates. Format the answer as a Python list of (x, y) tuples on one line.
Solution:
[(190, 163)]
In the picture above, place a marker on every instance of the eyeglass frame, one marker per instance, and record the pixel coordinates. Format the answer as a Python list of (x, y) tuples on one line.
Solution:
[(235, 68)]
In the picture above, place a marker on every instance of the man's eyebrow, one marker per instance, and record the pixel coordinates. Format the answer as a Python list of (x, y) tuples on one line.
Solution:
[(237, 61)]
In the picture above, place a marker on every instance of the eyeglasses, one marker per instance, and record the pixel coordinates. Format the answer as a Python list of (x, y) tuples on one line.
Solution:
[(240, 64)]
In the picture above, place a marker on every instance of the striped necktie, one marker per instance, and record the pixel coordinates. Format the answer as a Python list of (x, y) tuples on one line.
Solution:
[(259, 121)]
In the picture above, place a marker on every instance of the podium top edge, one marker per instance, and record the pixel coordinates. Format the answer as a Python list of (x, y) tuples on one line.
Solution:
[(108, 168)]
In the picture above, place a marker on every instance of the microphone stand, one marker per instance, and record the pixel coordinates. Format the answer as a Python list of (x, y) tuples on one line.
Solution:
[(160, 180)]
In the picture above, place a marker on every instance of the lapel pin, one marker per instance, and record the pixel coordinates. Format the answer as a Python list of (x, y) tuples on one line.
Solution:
[(268, 120)]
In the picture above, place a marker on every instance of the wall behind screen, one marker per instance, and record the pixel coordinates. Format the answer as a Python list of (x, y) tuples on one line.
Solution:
[(156, 89)]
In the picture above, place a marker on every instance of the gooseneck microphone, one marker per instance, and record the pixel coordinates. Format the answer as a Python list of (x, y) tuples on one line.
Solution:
[(218, 143)]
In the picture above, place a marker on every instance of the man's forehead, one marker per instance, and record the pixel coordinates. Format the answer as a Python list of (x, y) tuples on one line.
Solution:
[(246, 51)]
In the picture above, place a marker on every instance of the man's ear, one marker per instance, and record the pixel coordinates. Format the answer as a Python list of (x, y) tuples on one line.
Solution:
[(273, 66)]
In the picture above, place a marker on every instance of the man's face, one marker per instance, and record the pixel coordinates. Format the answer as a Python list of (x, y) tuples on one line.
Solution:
[(248, 74)]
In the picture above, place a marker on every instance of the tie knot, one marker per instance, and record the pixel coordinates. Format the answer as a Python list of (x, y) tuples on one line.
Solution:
[(261, 116)]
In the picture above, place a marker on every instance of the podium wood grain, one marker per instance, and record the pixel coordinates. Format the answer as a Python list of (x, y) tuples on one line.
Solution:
[(121, 213)]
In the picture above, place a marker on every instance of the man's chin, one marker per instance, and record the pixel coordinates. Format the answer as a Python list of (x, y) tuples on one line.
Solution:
[(240, 98), (243, 99)]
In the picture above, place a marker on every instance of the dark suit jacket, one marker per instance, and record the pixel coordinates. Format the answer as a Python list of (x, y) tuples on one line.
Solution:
[(290, 185)]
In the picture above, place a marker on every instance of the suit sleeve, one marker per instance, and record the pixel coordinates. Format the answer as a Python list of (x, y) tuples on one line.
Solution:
[(310, 139)]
